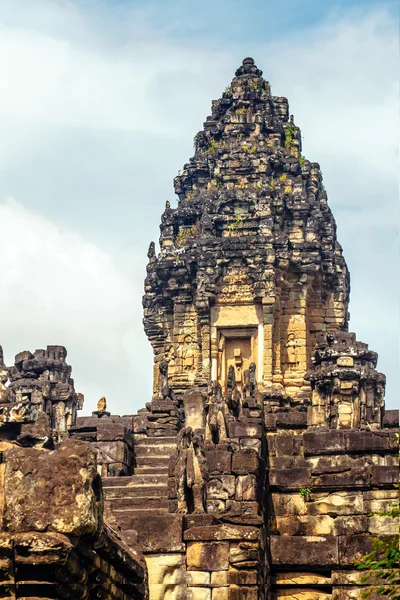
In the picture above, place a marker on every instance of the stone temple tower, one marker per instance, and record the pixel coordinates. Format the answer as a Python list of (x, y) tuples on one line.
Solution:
[(265, 463), (250, 269)]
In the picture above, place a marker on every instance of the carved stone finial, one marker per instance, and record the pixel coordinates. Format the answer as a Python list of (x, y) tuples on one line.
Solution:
[(151, 251), (102, 405), (167, 204), (248, 67)]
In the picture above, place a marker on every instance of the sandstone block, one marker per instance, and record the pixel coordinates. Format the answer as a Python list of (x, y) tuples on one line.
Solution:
[(198, 578), (378, 501), (220, 593), (352, 547), (198, 593), (165, 569), (303, 578), (252, 443), (242, 577), (222, 487), (370, 441), (391, 418), (207, 556), (304, 551), (224, 531), (288, 504), (336, 503), (245, 462), (159, 533), (242, 430), (383, 526), (218, 461), (351, 525), (329, 442), (246, 488), (243, 593), (384, 475), (295, 478), (220, 578), (244, 555), (55, 491), (305, 525)]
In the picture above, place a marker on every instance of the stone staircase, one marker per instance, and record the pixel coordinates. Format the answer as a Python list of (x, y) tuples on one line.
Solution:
[(146, 491)]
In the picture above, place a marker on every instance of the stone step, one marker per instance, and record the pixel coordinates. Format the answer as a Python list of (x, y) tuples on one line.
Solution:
[(160, 470), (127, 518), (134, 480), (148, 450), (152, 461), (143, 491), (154, 441), (144, 503)]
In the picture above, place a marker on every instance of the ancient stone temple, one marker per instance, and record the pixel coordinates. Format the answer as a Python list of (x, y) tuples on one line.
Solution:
[(259, 467)]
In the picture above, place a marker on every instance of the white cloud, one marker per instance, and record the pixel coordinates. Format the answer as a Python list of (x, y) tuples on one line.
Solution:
[(58, 288), (99, 109)]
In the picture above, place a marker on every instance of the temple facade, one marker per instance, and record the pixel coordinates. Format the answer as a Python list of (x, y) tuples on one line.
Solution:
[(260, 467)]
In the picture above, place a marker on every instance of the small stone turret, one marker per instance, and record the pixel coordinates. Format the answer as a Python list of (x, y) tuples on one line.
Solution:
[(347, 391), (39, 383)]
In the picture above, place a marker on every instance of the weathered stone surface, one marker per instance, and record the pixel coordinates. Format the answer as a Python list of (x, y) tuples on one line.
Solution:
[(243, 430), (305, 525), (246, 488), (352, 548), (245, 462), (207, 556), (289, 479), (63, 488), (221, 532), (159, 533), (305, 551)]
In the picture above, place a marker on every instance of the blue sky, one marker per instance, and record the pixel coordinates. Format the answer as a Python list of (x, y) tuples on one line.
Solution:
[(100, 102)]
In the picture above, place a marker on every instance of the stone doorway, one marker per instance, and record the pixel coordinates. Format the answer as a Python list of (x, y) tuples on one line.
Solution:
[(236, 347)]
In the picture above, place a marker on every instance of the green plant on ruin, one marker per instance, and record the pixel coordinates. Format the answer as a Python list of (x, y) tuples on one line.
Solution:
[(305, 493), (228, 90), (254, 85), (288, 190), (240, 111), (196, 139), (267, 87), (259, 185), (272, 183), (189, 196), (290, 132), (184, 235), (217, 181), (238, 221), (283, 177), (249, 149), (383, 562), (302, 159), (212, 146)]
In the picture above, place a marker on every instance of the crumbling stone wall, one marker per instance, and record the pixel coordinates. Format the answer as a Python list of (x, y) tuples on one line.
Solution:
[(54, 539)]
